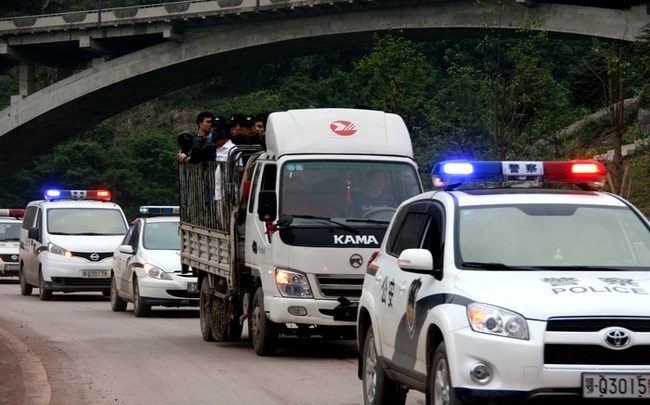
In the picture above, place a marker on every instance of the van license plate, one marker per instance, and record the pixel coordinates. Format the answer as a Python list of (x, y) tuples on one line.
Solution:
[(94, 273), (616, 385), (192, 287)]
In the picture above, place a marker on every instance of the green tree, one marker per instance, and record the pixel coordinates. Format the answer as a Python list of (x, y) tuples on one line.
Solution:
[(503, 89), (396, 75)]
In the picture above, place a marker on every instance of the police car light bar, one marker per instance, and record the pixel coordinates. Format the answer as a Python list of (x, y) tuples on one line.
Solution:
[(159, 210), (55, 194), (585, 173), (12, 212)]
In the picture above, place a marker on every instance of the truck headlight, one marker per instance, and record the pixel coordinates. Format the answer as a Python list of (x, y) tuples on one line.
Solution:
[(292, 284), (58, 250), (497, 321), (155, 272)]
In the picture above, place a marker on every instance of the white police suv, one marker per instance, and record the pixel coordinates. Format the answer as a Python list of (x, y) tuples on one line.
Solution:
[(67, 242), (147, 267), (10, 220), (508, 294)]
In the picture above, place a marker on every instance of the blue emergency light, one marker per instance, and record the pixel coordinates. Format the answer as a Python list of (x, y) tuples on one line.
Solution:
[(159, 210), (584, 173), (55, 194)]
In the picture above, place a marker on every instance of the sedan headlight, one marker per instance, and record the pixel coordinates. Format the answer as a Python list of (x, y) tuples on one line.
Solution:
[(497, 321), (292, 284), (155, 272), (58, 250)]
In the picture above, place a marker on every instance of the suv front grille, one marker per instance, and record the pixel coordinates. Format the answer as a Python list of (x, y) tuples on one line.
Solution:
[(340, 285), (590, 353)]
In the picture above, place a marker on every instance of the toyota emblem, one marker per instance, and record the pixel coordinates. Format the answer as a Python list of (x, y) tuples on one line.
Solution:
[(617, 338), (94, 257), (356, 260)]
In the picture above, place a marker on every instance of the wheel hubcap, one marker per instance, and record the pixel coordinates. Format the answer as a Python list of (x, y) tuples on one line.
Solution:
[(441, 383), (370, 365)]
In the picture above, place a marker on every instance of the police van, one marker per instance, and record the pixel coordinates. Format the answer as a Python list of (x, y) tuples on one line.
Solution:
[(10, 220), (67, 242), (513, 290)]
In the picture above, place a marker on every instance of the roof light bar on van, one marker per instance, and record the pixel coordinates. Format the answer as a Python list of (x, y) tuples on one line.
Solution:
[(584, 173), (12, 212), (56, 194), (160, 210)]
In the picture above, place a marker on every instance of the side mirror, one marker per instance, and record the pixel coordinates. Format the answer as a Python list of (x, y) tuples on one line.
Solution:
[(32, 233), (416, 260), (267, 205), (126, 249)]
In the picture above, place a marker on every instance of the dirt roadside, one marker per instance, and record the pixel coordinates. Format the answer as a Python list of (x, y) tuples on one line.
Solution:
[(35, 371)]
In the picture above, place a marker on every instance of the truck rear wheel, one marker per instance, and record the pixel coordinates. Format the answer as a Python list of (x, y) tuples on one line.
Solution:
[(225, 319), (205, 311), (264, 332)]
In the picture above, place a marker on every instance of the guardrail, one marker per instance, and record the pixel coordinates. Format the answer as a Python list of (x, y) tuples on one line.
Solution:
[(145, 13)]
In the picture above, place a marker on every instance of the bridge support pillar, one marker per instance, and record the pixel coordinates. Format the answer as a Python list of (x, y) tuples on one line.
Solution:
[(26, 81)]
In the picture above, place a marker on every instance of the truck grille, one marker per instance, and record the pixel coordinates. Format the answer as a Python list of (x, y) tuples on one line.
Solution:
[(594, 354), (340, 285)]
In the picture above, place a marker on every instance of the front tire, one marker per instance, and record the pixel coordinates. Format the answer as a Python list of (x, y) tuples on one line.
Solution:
[(264, 332), (378, 389), (25, 289), (439, 388), (117, 303), (44, 294), (140, 310), (205, 310)]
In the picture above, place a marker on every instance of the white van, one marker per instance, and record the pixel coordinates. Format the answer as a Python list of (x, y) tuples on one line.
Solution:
[(67, 242)]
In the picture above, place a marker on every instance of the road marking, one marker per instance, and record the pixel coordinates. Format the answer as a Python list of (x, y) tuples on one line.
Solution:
[(37, 389)]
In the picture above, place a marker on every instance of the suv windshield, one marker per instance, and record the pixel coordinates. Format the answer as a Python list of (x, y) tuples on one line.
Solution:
[(85, 221), (571, 236), (346, 189)]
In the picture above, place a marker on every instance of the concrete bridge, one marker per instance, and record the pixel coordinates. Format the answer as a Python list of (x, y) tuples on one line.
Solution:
[(114, 59)]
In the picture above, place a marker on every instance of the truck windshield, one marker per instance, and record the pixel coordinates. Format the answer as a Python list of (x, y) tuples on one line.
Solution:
[(346, 189), (85, 221), (562, 236)]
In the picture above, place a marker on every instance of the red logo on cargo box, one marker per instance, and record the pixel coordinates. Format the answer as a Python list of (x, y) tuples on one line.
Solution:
[(343, 128)]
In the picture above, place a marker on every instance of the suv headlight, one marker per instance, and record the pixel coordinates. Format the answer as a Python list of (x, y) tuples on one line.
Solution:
[(292, 284), (497, 321), (58, 250), (155, 272)]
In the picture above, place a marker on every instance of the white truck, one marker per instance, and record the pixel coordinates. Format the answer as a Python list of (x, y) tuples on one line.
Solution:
[(286, 244)]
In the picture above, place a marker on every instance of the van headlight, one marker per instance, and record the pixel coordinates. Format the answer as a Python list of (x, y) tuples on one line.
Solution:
[(58, 250), (497, 321), (292, 284)]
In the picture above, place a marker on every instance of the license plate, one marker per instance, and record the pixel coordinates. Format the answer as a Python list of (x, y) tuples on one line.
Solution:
[(94, 273), (11, 267), (616, 385), (192, 287)]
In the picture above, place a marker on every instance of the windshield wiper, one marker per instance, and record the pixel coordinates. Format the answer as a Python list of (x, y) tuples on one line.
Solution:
[(488, 266), (368, 220), (328, 220)]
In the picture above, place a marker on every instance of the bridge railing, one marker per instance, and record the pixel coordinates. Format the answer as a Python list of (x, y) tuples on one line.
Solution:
[(150, 12)]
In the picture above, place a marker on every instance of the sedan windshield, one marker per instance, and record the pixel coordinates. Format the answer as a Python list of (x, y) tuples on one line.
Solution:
[(162, 236), (560, 236)]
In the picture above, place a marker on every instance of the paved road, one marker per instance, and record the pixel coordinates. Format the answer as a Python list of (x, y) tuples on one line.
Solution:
[(75, 350)]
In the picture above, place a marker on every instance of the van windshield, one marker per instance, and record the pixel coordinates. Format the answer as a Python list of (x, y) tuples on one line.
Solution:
[(85, 221), (343, 190)]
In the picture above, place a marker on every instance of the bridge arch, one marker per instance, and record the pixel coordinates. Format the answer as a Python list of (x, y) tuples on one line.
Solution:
[(87, 98)]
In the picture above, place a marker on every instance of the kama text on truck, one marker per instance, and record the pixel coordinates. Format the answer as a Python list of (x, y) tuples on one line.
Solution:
[(281, 236)]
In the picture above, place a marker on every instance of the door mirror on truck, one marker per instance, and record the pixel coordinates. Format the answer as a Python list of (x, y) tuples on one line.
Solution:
[(267, 205)]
